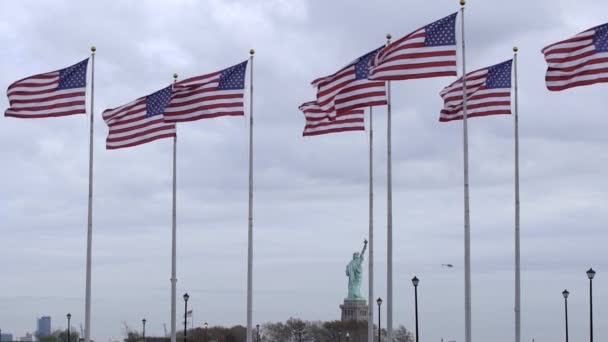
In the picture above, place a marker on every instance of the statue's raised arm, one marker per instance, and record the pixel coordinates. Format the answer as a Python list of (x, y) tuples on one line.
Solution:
[(364, 248)]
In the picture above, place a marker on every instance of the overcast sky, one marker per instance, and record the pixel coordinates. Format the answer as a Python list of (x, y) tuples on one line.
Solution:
[(310, 193)]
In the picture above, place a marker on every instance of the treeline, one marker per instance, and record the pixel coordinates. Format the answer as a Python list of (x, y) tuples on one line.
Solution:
[(60, 336), (292, 330)]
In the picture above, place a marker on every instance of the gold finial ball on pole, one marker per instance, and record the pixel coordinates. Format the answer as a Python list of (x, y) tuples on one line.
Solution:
[(515, 49), (175, 76), (252, 52), (93, 49), (462, 3), (388, 36)]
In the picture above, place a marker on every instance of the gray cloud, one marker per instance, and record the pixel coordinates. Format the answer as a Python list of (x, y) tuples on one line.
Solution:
[(311, 193)]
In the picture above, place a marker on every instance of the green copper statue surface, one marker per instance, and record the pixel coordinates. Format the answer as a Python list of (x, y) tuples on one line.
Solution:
[(354, 272)]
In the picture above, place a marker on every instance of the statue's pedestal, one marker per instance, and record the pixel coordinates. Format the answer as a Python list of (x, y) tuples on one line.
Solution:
[(354, 310)]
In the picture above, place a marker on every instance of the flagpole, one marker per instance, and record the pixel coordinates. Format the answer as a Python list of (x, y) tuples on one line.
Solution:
[(370, 310), (87, 309), (467, 219), (250, 218), (517, 246), (389, 214), (174, 241)]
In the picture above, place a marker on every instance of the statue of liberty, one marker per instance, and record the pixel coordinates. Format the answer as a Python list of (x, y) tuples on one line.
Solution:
[(354, 272)]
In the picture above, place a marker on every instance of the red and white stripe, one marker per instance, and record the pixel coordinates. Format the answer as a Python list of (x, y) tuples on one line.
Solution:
[(408, 58), (343, 92), (39, 97), (480, 100), (575, 62), (198, 98), (130, 126), (320, 122)]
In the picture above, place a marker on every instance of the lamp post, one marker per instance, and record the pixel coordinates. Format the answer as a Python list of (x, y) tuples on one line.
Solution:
[(186, 297), (415, 282), (257, 328), (143, 331), (205, 325), (69, 316), (566, 294), (379, 302), (347, 336), (590, 275)]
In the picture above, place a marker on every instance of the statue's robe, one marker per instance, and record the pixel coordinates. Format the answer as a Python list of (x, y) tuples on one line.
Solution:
[(354, 271)]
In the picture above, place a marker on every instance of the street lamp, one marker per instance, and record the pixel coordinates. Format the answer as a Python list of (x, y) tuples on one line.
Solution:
[(257, 327), (379, 301), (205, 325), (566, 294), (590, 275), (347, 336), (69, 316), (186, 297), (415, 282), (143, 322)]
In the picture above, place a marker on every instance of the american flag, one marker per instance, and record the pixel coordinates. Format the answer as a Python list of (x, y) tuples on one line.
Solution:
[(139, 122), (488, 93), (427, 52), (349, 88), (578, 61), (56, 93), (320, 122), (208, 96)]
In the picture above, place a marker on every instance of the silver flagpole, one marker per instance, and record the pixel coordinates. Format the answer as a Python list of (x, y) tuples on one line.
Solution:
[(370, 309), (467, 218), (517, 247), (389, 216), (87, 305), (174, 241), (250, 218)]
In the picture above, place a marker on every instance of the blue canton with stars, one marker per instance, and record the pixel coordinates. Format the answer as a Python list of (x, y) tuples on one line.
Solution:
[(362, 65), (74, 76), (156, 102), (442, 32), (499, 75), (233, 77), (600, 39)]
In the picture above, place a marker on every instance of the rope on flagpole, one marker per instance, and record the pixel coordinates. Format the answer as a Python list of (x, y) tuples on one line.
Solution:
[(517, 235), (174, 241), (250, 216), (87, 309)]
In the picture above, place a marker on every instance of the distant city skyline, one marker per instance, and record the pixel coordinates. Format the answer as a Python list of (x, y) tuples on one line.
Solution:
[(29, 337), (6, 337)]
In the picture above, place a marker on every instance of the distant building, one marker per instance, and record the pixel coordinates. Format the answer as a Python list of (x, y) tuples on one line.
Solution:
[(27, 338), (6, 337), (44, 326)]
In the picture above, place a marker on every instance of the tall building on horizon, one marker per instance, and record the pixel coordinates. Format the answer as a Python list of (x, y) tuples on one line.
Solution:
[(44, 326)]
